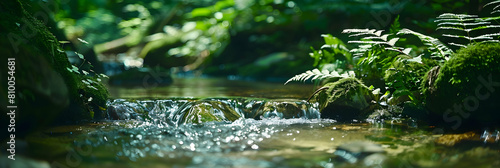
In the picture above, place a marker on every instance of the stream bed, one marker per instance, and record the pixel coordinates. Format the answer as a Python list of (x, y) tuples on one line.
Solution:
[(274, 127)]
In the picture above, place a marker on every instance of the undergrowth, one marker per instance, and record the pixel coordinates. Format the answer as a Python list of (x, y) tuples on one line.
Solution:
[(375, 54)]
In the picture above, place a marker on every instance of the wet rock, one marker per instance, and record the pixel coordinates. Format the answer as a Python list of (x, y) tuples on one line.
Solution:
[(208, 111), (118, 112), (344, 100), (468, 138), (465, 92), (284, 109), (360, 152), (380, 115), (181, 111), (121, 109), (452, 139), (250, 107)]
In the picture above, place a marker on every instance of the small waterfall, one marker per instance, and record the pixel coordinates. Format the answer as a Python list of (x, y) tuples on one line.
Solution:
[(175, 112)]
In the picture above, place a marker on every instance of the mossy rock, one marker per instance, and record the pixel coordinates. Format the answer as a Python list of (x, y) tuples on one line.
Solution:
[(344, 100), (47, 91), (467, 87), (208, 111), (283, 109), (155, 53)]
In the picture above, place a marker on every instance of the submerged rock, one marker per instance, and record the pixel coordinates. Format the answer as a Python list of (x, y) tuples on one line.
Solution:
[(452, 139), (285, 109), (467, 88), (344, 100), (360, 151), (181, 111)]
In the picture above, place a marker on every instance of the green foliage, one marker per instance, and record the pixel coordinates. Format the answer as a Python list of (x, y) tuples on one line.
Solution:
[(315, 74), (372, 39), (496, 8), (437, 49), (472, 74), (349, 93), (395, 26), (377, 55), (462, 26), (334, 50), (468, 63)]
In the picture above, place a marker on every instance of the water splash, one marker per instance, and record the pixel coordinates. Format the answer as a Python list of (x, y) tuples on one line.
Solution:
[(180, 111), (162, 128)]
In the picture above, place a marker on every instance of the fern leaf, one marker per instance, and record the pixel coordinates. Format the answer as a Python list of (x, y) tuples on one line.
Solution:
[(316, 74), (393, 41), (455, 20), (458, 45), (462, 25), (492, 3), (436, 47), (490, 41), (486, 27), (367, 42), (454, 28), (407, 51), (452, 16), (497, 3), (355, 30), (456, 36)]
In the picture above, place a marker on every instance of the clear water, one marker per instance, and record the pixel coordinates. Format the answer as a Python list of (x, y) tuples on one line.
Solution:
[(160, 139)]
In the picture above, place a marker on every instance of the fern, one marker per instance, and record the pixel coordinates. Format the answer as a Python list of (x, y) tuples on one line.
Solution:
[(326, 54), (316, 74), (496, 8), (436, 47), (371, 37), (462, 26)]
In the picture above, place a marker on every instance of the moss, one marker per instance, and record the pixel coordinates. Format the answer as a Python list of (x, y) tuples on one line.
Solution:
[(208, 111), (344, 99), (47, 92), (468, 82), (343, 88), (94, 95), (201, 113)]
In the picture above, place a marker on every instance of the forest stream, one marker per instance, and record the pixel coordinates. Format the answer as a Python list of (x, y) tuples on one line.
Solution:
[(152, 132)]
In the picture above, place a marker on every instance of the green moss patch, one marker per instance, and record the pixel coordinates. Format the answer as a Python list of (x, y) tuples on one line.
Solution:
[(467, 88)]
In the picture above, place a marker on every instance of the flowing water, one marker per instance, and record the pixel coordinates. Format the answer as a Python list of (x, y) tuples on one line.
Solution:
[(273, 127)]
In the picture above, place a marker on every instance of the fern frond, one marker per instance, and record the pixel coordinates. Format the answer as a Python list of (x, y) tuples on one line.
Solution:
[(371, 37), (461, 26), (455, 16), (458, 45), (497, 3), (436, 47), (316, 74), (451, 28)]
